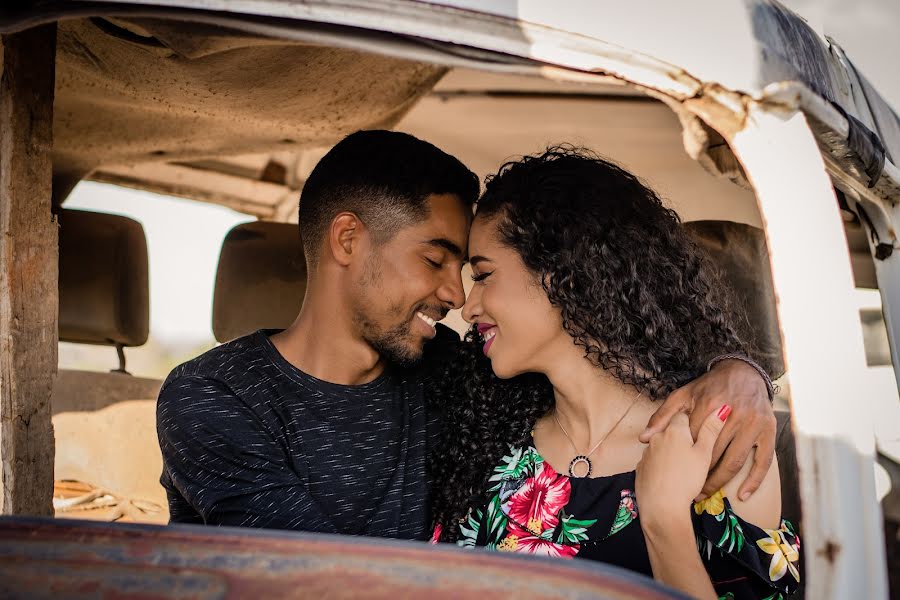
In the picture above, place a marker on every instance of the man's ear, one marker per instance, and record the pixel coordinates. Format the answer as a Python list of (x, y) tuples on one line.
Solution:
[(345, 237)]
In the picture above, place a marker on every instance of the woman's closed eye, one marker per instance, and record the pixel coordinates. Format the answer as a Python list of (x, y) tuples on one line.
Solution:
[(481, 276)]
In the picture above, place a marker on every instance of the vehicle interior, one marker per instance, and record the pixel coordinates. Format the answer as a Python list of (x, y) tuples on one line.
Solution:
[(237, 119)]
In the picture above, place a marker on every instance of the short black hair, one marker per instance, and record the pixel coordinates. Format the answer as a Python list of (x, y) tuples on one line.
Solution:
[(385, 178)]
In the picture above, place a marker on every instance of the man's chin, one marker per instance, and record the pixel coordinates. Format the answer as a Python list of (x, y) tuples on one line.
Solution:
[(407, 354)]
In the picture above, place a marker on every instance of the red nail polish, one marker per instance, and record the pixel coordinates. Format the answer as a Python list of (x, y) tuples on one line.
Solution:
[(724, 412)]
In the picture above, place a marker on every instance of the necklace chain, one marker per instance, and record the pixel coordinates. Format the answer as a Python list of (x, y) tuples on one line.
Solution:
[(585, 457)]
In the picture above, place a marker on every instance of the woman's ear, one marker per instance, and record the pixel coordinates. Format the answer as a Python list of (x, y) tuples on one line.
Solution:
[(344, 237)]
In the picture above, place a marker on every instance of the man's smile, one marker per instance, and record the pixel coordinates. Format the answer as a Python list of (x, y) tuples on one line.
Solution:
[(429, 322)]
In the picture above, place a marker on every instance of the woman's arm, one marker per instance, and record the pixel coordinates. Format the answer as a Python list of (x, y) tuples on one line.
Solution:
[(674, 556), (669, 476)]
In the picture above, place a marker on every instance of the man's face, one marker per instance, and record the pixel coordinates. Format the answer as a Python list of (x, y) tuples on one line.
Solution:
[(412, 280)]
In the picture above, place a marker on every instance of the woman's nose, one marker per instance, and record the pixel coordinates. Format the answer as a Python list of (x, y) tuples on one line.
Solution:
[(472, 308)]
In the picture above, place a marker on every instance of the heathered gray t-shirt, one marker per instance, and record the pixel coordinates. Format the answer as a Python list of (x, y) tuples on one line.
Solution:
[(248, 439)]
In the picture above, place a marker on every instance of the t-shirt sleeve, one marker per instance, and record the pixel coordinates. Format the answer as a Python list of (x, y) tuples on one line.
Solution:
[(743, 560), (224, 461)]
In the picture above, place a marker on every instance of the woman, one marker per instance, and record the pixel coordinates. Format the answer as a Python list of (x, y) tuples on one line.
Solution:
[(590, 304)]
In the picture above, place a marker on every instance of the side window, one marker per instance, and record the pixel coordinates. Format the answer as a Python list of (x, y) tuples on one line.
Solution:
[(875, 338), (183, 242)]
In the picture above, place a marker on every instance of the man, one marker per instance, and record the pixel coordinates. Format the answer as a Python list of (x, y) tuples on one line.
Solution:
[(323, 426)]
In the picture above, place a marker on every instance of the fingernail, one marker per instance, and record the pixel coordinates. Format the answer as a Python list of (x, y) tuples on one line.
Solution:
[(744, 496), (724, 412), (700, 498)]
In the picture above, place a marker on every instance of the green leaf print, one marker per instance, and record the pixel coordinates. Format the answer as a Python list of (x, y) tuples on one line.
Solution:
[(733, 535), (496, 522), (521, 462), (572, 530), (469, 535), (623, 518)]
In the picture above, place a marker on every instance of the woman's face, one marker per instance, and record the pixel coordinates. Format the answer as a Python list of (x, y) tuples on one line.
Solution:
[(522, 330)]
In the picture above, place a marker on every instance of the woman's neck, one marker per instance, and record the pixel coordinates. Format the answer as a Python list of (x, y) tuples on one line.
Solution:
[(590, 402)]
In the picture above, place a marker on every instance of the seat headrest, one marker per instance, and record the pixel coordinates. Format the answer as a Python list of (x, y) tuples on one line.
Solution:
[(260, 280), (104, 285), (740, 253)]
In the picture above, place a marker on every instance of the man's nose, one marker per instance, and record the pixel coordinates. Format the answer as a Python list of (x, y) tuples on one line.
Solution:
[(452, 292)]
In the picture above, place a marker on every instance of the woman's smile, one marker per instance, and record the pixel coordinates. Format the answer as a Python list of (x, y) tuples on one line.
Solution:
[(488, 331)]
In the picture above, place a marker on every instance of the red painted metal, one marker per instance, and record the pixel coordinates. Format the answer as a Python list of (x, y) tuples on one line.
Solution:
[(44, 558)]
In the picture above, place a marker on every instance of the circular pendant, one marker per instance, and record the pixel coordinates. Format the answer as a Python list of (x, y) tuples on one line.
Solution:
[(580, 460)]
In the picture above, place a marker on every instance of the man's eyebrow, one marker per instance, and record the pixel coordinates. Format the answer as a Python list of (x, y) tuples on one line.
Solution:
[(446, 245)]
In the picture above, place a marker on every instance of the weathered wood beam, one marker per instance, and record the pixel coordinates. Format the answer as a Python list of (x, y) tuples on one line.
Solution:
[(29, 298)]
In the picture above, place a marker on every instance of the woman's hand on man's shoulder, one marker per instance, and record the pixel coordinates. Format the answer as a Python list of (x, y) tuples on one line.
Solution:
[(751, 424)]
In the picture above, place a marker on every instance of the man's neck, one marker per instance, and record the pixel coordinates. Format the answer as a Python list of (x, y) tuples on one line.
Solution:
[(320, 343)]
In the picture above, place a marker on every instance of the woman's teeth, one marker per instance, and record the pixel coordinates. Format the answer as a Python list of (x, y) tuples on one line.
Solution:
[(489, 335), (427, 319)]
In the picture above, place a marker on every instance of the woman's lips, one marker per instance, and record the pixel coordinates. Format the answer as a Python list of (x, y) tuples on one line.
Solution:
[(487, 346), (489, 332)]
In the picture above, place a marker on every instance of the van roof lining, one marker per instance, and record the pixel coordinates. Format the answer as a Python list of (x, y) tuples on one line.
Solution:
[(135, 90)]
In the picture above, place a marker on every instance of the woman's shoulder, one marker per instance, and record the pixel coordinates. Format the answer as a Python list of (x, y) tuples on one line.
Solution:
[(743, 557), (736, 535), (764, 505)]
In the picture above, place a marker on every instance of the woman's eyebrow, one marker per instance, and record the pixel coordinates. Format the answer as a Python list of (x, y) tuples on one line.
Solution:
[(474, 260)]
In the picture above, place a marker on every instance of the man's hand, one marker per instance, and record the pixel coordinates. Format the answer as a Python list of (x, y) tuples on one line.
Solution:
[(751, 423)]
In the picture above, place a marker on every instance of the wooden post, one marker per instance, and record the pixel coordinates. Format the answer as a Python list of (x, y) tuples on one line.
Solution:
[(29, 254)]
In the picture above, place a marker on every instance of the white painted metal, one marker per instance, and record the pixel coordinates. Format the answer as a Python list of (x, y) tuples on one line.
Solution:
[(880, 203), (823, 352)]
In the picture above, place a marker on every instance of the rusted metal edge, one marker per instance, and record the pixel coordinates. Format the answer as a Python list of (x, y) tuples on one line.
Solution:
[(207, 562)]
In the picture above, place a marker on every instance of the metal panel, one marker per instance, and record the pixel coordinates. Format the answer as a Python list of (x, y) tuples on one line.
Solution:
[(72, 559), (824, 355)]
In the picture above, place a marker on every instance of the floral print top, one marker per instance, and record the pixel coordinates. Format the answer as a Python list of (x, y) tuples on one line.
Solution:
[(532, 509)]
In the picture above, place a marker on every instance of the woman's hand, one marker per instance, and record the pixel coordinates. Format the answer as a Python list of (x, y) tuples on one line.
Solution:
[(752, 423), (673, 469)]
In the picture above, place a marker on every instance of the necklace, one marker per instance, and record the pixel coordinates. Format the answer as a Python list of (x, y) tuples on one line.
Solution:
[(583, 458)]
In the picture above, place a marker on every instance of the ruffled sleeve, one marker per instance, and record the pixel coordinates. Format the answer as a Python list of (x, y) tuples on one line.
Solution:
[(743, 560)]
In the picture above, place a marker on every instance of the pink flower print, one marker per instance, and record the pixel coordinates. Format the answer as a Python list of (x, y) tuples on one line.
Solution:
[(436, 536), (536, 505), (525, 542)]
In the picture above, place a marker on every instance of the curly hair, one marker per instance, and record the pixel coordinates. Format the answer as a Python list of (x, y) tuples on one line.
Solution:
[(635, 293)]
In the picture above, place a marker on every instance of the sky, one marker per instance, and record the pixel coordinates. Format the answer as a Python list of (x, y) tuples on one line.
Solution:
[(184, 237)]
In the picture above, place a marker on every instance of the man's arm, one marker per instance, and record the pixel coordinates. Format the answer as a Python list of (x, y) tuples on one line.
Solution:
[(225, 462), (751, 423)]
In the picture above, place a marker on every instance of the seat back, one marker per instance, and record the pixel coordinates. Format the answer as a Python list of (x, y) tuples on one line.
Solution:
[(260, 280), (105, 423), (104, 287), (740, 254)]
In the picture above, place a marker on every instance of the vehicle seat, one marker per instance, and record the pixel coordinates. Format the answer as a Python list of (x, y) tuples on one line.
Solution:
[(107, 462), (740, 254), (260, 279)]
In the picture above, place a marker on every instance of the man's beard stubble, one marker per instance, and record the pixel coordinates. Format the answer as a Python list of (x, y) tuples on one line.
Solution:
[(395, 345)]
